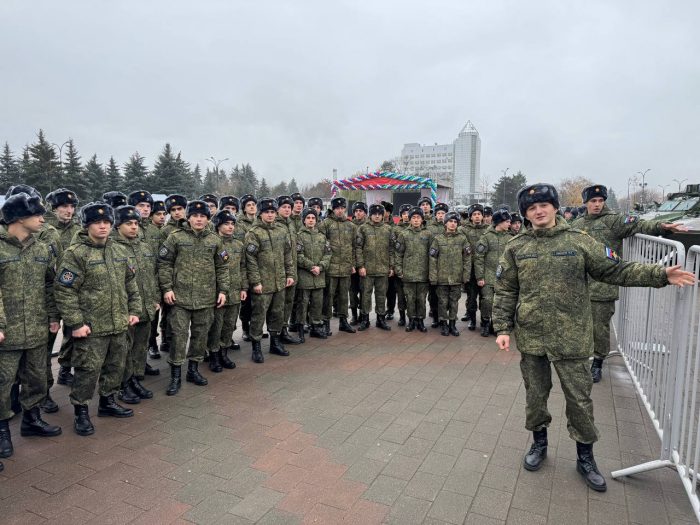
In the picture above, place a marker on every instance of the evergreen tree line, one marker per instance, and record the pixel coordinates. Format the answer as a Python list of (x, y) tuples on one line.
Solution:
[(40, 166)]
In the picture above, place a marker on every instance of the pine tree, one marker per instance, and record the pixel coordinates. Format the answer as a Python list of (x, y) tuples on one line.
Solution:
[(42, 169), (292, 186), (263, 190), (135, 174), (113, 177), (24, 165), (95, 179), (612, 200), (209, 183), (505, 191), (10, 173), (188, 185), (280, 189), (197, 180), (248, 181), (166, 176), (73, 176)]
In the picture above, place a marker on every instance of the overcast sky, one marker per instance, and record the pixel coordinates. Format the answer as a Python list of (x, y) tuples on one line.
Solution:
[(599, 89)]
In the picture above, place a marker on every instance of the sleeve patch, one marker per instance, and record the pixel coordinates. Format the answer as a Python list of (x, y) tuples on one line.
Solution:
[(67, 277), (631, 219), (434, 252), (163, 252), (468, 250), (358, 240), (224, 255), (499, 271), (328, 247), (252, 249), (397, 245), (610, 254), (480, 248), (300, 247)]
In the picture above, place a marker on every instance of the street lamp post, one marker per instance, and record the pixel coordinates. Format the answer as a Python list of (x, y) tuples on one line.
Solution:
[(60, 161), (679, 182), (505, 171), (630, 181), (643, 185), (663, 190), (216, 163)]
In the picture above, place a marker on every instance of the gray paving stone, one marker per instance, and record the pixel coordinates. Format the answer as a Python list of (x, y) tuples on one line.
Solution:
[(256, 504), (364, 470), (439, 464), (450, 507), (407, 510), (214, 506), (401, 467), (492, 503), (384, 490), (424, 486)]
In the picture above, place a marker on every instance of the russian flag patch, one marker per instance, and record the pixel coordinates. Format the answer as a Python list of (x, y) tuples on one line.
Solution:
[(610, 254)]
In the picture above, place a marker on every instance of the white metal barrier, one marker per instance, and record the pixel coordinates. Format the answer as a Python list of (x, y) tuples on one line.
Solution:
[(657, 334)]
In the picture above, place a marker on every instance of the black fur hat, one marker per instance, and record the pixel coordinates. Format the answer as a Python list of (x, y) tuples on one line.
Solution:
[(388, 206), (61, 197), (198, 207), (488, 211), (376, 208), (452, 216), (404, 208), (158, 206), (20, 206), (285, 199), (501, 216), (229, 200), (475, 207), (316, 201), (597, 190), (359, 205), (136, 197), (96, 211), (308, 211), (339, 202), (223, 216), (425, 199), (267, 204), (298, 197), (22, 188), (124, 214), (210, 197), (175, 200), (248, 198), (441, 206), (515, 217), (114, 199), (415, 210), (534, 193)]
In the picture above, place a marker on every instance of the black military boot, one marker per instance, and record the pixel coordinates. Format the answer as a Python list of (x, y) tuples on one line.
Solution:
[(215, 362), (300, 330), (64, 376), (597, 369), (420, 324), (139, 389), (153, 352), (353, 319), (164, 347), (276, 346), (48, 405), (108, 407), (444, 329), (453, 328), (436, 322), (226, 361), (235, 346), (150, 371), (485, 327), (33, 425), (389, 315), (15, 405), (344, 326), (245, 326), (364, 322), (288, 338), (193, 375), (327, 328), (471, 326), (175, 380), (257, 353), (6, 448), (318, 331), (402, 318), (128, 395), (538, 451), (585, 465), (411, 325), (381, 322), (465, 317), (82, 424)]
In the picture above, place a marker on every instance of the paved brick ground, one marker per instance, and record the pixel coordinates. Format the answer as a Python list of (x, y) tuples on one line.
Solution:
[(368, 428)]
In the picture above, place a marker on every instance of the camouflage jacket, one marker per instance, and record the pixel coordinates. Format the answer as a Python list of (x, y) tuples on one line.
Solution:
[(96, 286), (66, 230), (542, 289), (26, 292), (298, 223), (340, 233), (52, 239), (473, 232), (435, 227), (374, 248), (312, 250), (489, 249), (170, 226), (450, 261), (151, 233), (144, 258), (193, 265), (359, 222), (243, 224), (237, 272), (269, 257), (611, 228), (288, 224), (411, 254)]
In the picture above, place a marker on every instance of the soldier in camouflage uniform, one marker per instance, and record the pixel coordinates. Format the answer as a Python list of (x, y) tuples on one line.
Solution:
[(488, 215), (158, 217), (115, 199), (221, 331), (212, 201), (426, 206), (143, 202), (399, 295), (450, 264), (412, 246), (609, 228), (284, 221), (245, 221), (313, 259), (359, 217), (270, 271), (194, 278), (27, 314), (317, 204), (340, 233), (297, 209), (489, 249), (436, 226), (230, 204), (142, 257), (374, 260), (516, 223), (473, 231), (542, 299), (98, 298)]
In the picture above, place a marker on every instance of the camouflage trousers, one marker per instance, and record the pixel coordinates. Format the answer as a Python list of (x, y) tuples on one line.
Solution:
[(448, 301), (65, 355), (339, 286), (223, 326), (289, 295), (486, 304), (576, 383), (166, 333), (96, 357), (376, 284), (192, 323), (30, 366), (602, 313), (267, 307), (311, 305), (415, 294), (394, 292), (474, 293), (137, 349), (355, 291)]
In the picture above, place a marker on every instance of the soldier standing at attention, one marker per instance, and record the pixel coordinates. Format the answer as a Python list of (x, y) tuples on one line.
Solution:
[(221, 331), (488, 215), (230, 204), (158, 216), (489, 249), (313, 259), (473, 230), (212, 201), (412, 266), (516, 223), (270, 272), (426, 206), (609, 228), (245, 222), (317, 204), (399, 296), (340, 234), (193, 277), (27, 315), (436, 226), (98, 298), (359, 217), (297, 208), (450, 265), (542, 298), (143, 202), (284, 221), (114, 198), (142, 257), (374, 259)]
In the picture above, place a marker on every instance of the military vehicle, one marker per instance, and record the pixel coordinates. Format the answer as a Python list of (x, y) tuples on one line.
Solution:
[(684, 204)]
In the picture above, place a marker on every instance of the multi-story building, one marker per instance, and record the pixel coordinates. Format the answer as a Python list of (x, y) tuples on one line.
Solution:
[(455, 165)]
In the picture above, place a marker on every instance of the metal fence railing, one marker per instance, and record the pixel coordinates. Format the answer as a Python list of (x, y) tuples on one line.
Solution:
[(657, 335)]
